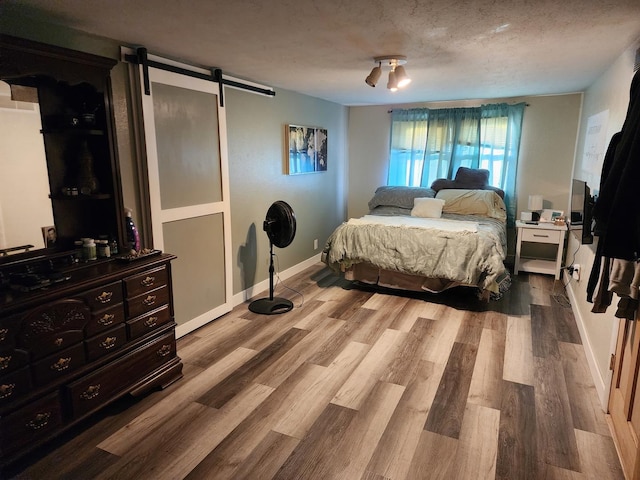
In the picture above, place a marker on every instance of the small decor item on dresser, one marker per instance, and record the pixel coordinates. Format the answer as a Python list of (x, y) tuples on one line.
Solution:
[(103, 249), (133, 237), (113, 246), (89, 251), (137, 255)]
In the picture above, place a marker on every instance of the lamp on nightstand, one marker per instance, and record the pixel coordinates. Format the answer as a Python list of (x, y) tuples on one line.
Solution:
[(535, 205)]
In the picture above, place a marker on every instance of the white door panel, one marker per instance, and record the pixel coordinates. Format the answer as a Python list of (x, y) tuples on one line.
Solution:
[(185, 135)]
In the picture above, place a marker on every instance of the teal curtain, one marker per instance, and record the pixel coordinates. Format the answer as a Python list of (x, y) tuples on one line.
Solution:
[(501, 148), (427, 144), (408, 139), (452, 141)]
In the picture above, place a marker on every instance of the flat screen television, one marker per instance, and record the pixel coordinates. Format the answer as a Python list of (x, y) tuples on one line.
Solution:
[(581, 210)]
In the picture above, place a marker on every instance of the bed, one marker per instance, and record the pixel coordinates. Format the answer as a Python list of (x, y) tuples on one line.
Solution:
[(427, 239)]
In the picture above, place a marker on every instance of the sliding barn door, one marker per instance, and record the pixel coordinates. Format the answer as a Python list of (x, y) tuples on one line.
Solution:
[(185, 135)]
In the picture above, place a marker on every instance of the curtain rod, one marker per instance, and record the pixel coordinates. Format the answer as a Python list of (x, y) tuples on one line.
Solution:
[(391, 111), (141, 58)]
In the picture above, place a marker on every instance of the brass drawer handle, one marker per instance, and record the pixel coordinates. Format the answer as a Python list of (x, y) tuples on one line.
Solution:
[(150, 300), (6, 390), (61, 364), (104, 297), (164, 350), (148, 282), (39, 421), (108, 343), (106, 319), (151, 322), (4, 362), (92, 392), (58, 342), (3, 334)]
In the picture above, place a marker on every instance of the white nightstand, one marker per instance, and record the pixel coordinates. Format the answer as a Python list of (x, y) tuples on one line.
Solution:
[(539, 233)]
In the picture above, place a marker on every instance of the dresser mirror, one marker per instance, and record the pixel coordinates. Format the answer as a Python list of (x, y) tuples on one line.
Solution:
[(26, 214), (59, 175)]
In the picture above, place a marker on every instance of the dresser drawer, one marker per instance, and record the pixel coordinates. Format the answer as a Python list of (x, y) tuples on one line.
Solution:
[(11, 360), (540, 236), (146, 281), (104, 320), (58, 365), (103, 297), (14, 384), (29, 424), (147, 301), (8, 331), (54, 326), (106, 342), (148, 322), (53, 343), (114, 380)]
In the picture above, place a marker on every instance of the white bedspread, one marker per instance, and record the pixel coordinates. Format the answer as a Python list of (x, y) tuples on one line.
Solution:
[(443, 224)]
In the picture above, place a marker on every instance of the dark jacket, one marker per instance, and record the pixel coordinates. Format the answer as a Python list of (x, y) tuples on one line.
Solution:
[(617, 208)]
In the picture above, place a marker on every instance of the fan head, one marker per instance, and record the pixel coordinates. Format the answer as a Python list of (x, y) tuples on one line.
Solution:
[(280, 224)]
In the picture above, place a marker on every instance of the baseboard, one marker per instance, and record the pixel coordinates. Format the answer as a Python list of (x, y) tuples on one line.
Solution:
[(602, 385), (263, 286)]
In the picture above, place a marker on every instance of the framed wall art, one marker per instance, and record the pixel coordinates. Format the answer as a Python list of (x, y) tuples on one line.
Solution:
[(306, 149)]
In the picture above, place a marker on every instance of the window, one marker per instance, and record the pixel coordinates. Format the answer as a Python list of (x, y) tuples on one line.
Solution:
[(430, 144)]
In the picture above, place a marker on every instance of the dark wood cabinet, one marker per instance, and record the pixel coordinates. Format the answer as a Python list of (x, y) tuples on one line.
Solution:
[(72, 348), (73, 93), (75, 334)]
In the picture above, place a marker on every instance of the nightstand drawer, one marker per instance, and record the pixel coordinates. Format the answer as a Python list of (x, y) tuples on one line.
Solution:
[(540, 236)]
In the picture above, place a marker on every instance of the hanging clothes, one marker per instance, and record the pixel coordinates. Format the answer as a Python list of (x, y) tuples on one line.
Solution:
[(616, 215), (617, 218)]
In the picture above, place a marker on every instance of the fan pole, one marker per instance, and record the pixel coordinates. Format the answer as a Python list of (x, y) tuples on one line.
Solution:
[(271, 271), (272, 305)]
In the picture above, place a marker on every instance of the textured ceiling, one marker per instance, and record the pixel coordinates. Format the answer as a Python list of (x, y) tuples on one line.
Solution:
[(456, 49)]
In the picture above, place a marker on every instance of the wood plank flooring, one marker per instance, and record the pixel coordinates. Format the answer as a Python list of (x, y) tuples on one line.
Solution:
[(356, 383)]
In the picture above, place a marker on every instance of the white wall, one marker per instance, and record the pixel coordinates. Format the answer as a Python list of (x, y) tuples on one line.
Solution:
[(256, 140), (610, 92)]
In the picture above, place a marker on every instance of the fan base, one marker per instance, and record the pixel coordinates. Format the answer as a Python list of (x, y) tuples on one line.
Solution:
[(268, 306)]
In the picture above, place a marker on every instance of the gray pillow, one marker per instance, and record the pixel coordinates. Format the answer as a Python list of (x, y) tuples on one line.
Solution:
[(387, 210), (396, 196)]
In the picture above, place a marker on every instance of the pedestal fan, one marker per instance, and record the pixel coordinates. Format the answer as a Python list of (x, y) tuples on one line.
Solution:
[(280, 225)]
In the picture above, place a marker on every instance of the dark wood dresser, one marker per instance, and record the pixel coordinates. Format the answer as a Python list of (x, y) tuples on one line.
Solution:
[(71, 348)]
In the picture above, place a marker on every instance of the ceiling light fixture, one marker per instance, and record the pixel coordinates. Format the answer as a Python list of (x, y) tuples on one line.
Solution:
[(374, 76), (398, 77)]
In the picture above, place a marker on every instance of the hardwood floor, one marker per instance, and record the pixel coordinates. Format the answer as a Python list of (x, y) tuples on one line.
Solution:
[(361, 384)]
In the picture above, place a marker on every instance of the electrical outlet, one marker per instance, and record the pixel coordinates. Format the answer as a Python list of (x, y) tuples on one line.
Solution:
[(576, 272), (315, 244)]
